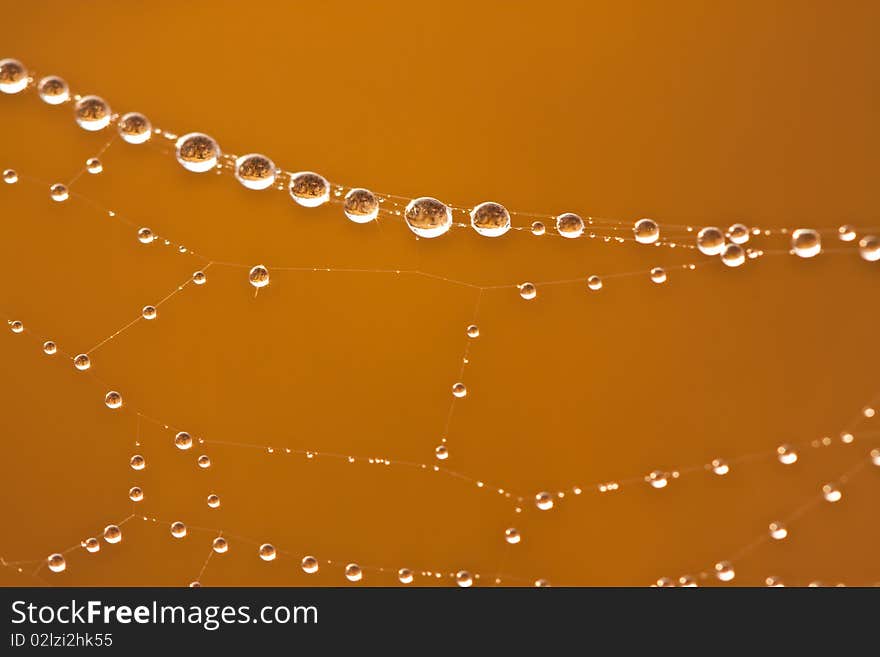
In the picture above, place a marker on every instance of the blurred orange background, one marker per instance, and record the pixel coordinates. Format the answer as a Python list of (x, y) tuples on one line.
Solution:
[(688, 112)]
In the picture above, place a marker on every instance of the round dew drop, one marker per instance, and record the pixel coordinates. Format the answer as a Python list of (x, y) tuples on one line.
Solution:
[(427, 217), (10, 176), (464, 579), (113, 400), (58, 192), (710, 241), (255, 171), (134, 128), (178, 529), (183, 440), (309, 189), (360, 205), (353, 572), (56, 563), (733, 255), (13, 76), (869, 248), (544, 501), (738, 233), (646, 231), (53, 90), (267, 552), (94, 166), (528, 291), (50, 348), (538, 228), (258, 276), (594, 283), (220, 545), (197, 152), (92, 113), (490, 219), (806, 243), (112, 534), (569, 225), (658, 275), (405, 576), (309, 565)]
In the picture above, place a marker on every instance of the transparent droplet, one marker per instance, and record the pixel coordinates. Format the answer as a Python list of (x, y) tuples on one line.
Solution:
[(16, 326), (774, 582), (259, 276), (459, 390), (512, 536), (724, 571), (738, 233), (658, 275), (183, 440), (657, 479), (541, 583), (353, 572), (720, 467), (213, 500), (267, 552), (58, 192), (710, 241), (56, 563), (528, 291), (204, 461), (806, 243), (538, 228), (490, 219), (846, 233), (868, 411), (441, 452), (405, 576), (220, 545), (875, 457), (786, 454), (427, 217), (199, 278), (113, 399), (197, 152), (94, 166), (112, 534), (137, 462), (91, 545), (309, 189), (134, 128), (309, 565), (665, 583), (13, 76), (777, 530), (255, 171), (92, 113), (733, 255), (464, 579), (53, 90), (569, 225), (544, 501), (178, 529), (646, 231), (360, 205), (686, 581), (832, 493), (149, 312), (145, 235), (10, 176), (869, 248), (82, 362), (473, 331), (594, 283), (49, 348)]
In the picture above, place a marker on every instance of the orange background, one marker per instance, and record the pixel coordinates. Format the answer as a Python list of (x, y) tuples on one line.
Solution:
[(688, 112)]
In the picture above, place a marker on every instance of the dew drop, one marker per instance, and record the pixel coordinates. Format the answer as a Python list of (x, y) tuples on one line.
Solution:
[(309, 189), (646, 231), (183, 440), (178, 529), (59, 193), (309, 565), (544, 501), (459, 390), (490, 219), (197, 152), (136, 494), (53, 90), (220, 545), (255, 171), (16, 326), (112, 534), (538, 228), (846, 233), (875, 457), (360, 205), (267, 552), (353, 572), (658, 275), (733, 255), (473, 331), (657, 479), (738, 233), (569, 225), (94, 166), (56, 563), (204, 461), (92, 113), (512, 536), (831, 493), (258, 276), (594, 283), (199, 278), (137, 462), (13, 76), (464, 579), (806, 242), (149, 312), (113, 399), (720, 467), (724, 571), (441, 452), (528, 291), (145, 236), (213, 500), (427, 217), (786, 454), (134, 128), (777, 531), (91, 545), (405, 576), (710, 241), (50, 348), (10, 176), (869, 248)]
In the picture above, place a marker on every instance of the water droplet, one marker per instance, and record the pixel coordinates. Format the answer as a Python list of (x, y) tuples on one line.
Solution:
[(541, 583), (56, 563), (178, 529), (94, 166), (220, 545), (137, 462), (459, 390), (646, 231), (528, 291), (259, 276), (733, 255), (658, 275), (657, 479), (10, 176), (199, 278), (490, 219), (868, 412), (112, 534), (135, 493), (58, 192), (869, 248), (197, 152), (309, 189), (832, 493), (16, 326), (92, 113), (786, 454), (13, 76), (512, 536), (875, 457), (49, 348), (255, 171), (710, 241), (720, 467), (569, 225), (774, 582), (544, 501), (427, 217), (91, 545), (267, 552), (724, 571), (405, 576), (149, 312), (473, 331), (806, 242), (686, 581), (441, 452), (738, 233), (594, 283), (183, 440), (464, 579), (353, 572), (538, 228), (145, 236), (309, 565), (204, 461), (134, 128), (846, 233), (360, 205), (53, 90), (213, 500), (113, 399), (777, 530)]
